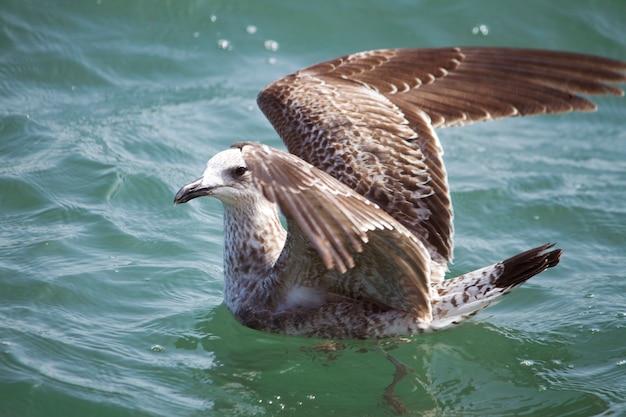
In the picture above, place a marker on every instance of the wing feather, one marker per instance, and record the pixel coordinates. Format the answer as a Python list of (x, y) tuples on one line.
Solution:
[(374, 256), (368, 119)]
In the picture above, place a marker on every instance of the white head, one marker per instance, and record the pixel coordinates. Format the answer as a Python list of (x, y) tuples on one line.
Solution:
[(226, 178)]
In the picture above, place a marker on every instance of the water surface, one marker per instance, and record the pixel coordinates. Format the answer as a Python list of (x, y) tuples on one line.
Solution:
[(110, 298)]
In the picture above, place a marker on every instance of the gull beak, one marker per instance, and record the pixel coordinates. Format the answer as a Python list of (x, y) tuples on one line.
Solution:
[(191, 191)]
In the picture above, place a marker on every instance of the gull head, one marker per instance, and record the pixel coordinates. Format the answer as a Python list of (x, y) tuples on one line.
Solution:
[(226, 178)]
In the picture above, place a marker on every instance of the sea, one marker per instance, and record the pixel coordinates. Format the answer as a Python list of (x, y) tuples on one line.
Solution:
[(111, 297)]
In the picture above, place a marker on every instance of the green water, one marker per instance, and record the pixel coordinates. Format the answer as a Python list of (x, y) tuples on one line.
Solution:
[(110, 297)]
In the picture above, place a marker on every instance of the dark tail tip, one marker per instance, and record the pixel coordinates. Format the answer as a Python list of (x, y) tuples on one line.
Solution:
[(526, 265)]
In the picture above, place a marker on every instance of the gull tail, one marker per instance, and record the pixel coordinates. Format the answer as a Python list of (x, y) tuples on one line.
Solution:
[(465, 296)]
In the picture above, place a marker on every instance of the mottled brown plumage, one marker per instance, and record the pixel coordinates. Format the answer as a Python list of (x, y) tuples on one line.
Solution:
[(368, 119), (365, 190)]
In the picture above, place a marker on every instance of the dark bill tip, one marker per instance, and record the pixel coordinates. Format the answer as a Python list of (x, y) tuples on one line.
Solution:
[(191, 191)]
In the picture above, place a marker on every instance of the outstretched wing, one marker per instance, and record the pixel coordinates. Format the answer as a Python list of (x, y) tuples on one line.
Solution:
[(332, 227), (368, 119)]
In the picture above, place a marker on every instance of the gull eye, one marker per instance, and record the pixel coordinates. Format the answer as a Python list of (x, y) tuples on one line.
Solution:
[(239, 171)]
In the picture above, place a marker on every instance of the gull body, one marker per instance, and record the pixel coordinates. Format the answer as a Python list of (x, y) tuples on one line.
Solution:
[(364, 189)]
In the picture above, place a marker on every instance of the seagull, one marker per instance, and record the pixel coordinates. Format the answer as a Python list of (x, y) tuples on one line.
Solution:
[(364, 191)]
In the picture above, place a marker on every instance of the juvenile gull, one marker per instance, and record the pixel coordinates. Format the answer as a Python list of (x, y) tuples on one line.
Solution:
[(364, 189)]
